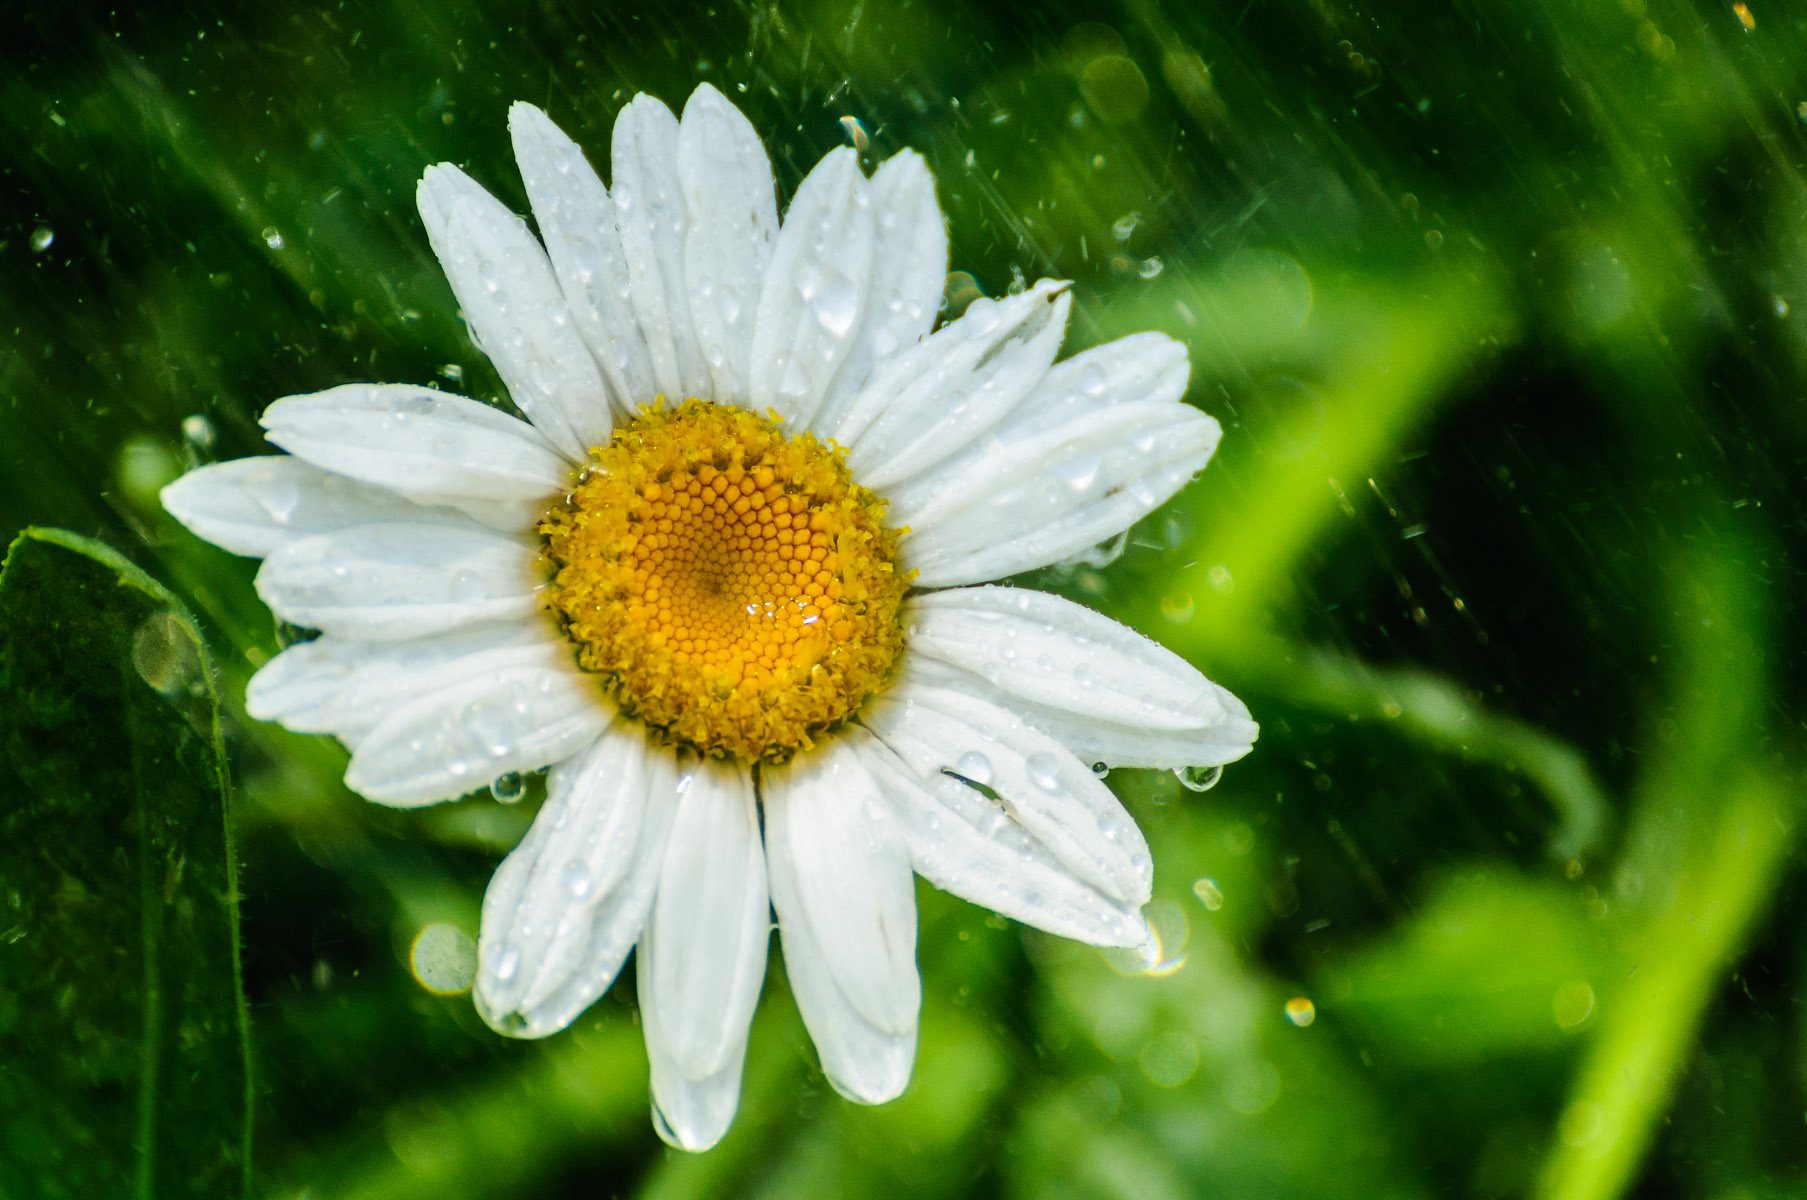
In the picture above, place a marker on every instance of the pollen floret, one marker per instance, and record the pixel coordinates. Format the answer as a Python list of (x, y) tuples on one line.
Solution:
[(733, 587)]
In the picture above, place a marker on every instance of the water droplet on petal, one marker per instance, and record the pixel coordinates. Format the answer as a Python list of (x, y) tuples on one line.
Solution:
[(1044, 771), (508, 788), (974, 766), (507, 963), (576, 878)]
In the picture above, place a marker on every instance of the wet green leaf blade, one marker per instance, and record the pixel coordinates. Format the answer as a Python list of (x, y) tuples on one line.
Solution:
[(124, 1060)]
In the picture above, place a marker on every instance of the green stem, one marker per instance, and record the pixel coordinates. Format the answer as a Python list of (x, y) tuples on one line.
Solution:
[(1649, 1024)]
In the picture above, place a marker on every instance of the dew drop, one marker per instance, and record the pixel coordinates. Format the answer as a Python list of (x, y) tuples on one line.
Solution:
[(1092, 380), (272, 237), (41, 237), (507, 963), (1151, 266), (1125, 225), (1101, 769), (508, 788)]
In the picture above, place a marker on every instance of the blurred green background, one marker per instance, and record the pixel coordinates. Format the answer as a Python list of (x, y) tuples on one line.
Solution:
[(1503, 307)]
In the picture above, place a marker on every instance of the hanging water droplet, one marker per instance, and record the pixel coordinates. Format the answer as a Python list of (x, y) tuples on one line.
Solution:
[(1151, 266), (272, 237), (1101, 769), (974, 766), (1125, 225), (508, 788), (1198, 779), (41, 237)]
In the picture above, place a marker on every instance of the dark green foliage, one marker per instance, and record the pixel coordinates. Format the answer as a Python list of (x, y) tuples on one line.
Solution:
[(123, 1065)]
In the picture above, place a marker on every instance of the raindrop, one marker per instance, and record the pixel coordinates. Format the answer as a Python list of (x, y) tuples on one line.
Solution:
[(1080, 471), (1044, 771), (41, 237), (443, 959), (1151, 266), (576, 877), (836, 305), (1092, 380), (981, 317), (507, 963), (1125, 225), (272, 237), (1198, 779), (467, 588), (508, 788), (198, 431), (164, 655), (974, 766), (1101, 769)]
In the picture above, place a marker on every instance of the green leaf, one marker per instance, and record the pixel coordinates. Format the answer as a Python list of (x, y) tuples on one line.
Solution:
[(124, 1066)]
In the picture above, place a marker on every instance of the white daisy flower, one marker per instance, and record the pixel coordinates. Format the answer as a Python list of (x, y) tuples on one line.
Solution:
[(723, 579)]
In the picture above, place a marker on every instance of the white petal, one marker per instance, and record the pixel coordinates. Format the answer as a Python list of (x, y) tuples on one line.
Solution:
[(815, 293), (969, 845), (649, 211), (710, 921), (932, 401), (517, 314), (691, 1114), (451, 740), (577, 222), (909, 273), (1140, 367), (387, 582), (346, 687), (732, 208), (564, 909), (842, 886), (1093, 739), (1040, 494), (427, 445), (1062, 654), (1039, 784), (255, 506)]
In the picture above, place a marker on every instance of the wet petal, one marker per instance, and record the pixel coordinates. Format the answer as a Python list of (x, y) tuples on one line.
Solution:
[(517, 314), (733, 222), (459, 738), (577, 220), (815, 292), (649, 211), (842, 886), (564, 909), (387, 582), (255, 506)]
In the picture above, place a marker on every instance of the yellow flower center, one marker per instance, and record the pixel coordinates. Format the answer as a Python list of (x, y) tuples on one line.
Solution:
[(734, 588)]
